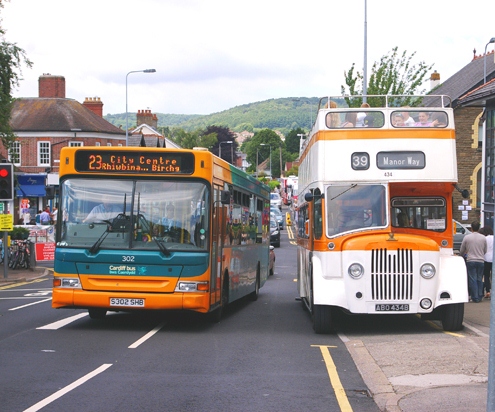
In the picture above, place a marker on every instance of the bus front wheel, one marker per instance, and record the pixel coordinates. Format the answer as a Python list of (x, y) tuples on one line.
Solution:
[(452, 317), (322, 319)]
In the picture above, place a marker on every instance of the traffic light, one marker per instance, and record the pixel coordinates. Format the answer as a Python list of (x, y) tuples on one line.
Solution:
[(6, 181)]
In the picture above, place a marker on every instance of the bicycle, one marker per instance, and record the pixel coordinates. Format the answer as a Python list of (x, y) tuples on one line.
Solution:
[(20, 255)]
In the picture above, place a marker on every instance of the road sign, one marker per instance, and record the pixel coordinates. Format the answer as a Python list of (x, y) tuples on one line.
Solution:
[(6, 223)]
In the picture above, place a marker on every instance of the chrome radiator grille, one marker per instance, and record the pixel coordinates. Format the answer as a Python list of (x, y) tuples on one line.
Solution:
[(391, 274)]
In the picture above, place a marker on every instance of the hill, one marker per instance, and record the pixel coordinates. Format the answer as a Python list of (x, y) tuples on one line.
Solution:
[(282, 114)]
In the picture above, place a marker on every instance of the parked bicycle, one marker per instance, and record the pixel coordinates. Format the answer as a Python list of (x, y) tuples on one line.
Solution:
[(19, 254)]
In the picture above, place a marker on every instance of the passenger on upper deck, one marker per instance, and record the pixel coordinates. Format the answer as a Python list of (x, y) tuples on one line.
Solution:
[(333, 117), (408, 120), (361, 116), (398, 120), (424, 120), (350, 120), (439, 119)]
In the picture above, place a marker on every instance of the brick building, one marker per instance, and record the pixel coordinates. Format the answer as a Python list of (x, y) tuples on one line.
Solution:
[(469, 132)]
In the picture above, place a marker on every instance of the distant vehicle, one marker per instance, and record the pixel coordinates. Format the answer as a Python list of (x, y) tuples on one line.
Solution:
[(461, 230), (271, 264), (274, 233), (275, 200), (279, 217)]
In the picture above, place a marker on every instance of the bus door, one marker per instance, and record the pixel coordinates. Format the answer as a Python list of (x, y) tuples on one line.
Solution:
[(217, 228)]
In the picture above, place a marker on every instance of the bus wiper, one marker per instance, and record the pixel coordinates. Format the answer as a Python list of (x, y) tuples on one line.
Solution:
[(161, 245), (345, 191), (100, 240)]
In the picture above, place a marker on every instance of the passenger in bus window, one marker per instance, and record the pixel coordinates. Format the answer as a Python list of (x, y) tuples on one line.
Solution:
[(333, 119), (361, 116), (350, 120), (423, 120), (402, 220), (398, 120), (439, 119), (408, 120), (169, 220)]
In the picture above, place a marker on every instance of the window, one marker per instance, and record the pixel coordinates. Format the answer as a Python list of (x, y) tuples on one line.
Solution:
[(76, 144), (419, 213), (44, 158), (15, 153), (355, 207)]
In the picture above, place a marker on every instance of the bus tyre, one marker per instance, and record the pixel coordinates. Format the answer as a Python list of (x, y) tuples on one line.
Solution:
[(97, 313), (452, 317), (254, 295), (322, 319), (216, 315)]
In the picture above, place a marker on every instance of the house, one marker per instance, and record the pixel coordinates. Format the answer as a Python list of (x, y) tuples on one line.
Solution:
[(145, 134), (469, 132)]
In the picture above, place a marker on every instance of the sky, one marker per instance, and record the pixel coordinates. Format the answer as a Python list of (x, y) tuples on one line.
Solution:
[(213, 55)]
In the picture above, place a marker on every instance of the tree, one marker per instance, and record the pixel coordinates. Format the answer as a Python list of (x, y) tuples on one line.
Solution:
[(258, 150), (394, 74), (224, 134), (11, 59), (292, 140)]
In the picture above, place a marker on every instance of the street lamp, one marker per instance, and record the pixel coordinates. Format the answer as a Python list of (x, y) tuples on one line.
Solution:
[(220, 149), (265, 144), (126, 114), (492, 40)]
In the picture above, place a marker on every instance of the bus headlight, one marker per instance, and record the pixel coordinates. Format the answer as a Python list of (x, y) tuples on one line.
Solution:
[(356, 270), (69, 283), (192, 287), (427, 271)]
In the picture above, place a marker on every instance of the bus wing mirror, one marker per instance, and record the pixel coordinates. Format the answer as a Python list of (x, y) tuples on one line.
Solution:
[(225, 197), (308, 197)]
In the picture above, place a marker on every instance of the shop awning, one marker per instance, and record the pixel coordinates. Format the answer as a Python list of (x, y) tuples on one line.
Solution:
[(31, 186)]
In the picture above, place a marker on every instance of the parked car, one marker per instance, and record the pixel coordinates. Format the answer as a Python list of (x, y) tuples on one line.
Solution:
[(272, 261), (274, 233), (461, 230), (276, 200), (279, 217)]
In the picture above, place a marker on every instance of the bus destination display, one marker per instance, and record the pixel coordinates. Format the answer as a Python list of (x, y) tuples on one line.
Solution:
[(134, 162)]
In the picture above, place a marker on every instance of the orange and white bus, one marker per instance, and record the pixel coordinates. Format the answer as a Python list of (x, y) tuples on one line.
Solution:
[(375, 228), (142, 228)]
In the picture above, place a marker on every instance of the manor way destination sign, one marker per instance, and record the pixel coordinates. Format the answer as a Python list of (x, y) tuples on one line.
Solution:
[(400, 160)]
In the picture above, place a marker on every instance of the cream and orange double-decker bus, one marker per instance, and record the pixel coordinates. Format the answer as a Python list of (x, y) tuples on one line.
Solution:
[(374, 214), (142, 228)]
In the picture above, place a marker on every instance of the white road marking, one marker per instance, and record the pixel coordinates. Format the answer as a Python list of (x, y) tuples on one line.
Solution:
[(30, 304), (68, 388), (61, 323), (147, 336)]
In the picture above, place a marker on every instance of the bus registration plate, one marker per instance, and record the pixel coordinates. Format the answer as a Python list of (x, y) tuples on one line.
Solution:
[(134, 303), (391, 308)]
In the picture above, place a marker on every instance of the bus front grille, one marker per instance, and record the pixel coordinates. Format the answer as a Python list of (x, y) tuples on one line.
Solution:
[(391, 275)]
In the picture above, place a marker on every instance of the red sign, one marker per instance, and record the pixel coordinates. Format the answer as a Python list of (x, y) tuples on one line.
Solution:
[(45, 251)]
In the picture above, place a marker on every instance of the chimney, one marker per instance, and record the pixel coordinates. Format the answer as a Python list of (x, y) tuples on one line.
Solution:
[(146, 117), (434, 80), (51, 86), (94, 104)]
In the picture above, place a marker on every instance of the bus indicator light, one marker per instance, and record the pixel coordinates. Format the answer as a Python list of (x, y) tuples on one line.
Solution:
[(6, 182)]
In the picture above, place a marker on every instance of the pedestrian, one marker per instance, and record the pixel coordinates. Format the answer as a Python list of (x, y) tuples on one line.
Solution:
[(45, 216), (474, 247), (487, 272), (38, 217)]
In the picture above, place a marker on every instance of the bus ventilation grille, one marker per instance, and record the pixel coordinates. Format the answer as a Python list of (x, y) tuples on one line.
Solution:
[(391, 275)]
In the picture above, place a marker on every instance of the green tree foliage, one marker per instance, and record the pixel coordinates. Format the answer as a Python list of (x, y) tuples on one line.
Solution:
[(223, 135), (292, 140), (258, 150), (12, 58), (394, 74)]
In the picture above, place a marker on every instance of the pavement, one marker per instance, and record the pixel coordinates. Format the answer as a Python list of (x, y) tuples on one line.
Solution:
[(403, 374)]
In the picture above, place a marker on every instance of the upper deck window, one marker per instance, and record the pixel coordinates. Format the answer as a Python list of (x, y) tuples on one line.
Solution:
[(354, 119), (419, 213), (409, 118)]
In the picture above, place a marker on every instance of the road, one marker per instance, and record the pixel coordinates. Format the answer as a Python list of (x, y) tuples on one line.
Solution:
[(263, 355)]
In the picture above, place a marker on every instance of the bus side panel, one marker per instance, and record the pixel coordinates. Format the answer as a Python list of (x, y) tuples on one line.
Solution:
[(453, 279)]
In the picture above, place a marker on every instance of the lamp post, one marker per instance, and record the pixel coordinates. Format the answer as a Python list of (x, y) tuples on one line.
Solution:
[(220, 148), (265, 144), (256, 163), (492, 40), (126, 114)]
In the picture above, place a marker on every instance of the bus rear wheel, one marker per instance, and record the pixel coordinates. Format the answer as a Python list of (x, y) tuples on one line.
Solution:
[(97, 313), (452, 317)]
